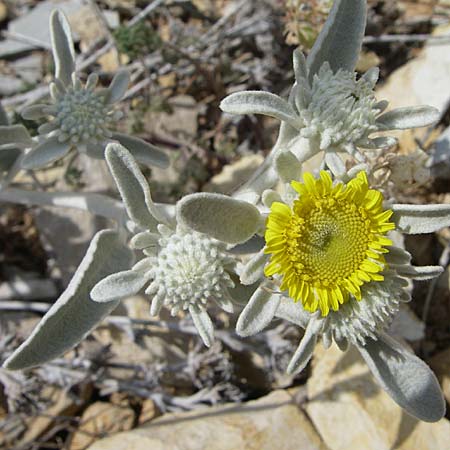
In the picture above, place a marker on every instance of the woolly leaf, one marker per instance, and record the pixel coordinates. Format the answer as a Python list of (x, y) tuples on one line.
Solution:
[(118, 86), (133, 187), (258, 312), (48, 151), (339, 42), (62, 46), (418, 219), (144, 152), (408, 117), (405, 377), (74, 314), (288, 166), (254, 268), (417, 273), (221, 217), (118, 286), (305, 349), (259, 102), (203, 323), (15, 134)]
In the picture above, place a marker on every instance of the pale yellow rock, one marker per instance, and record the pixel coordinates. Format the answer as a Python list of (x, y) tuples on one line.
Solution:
[(351, 412), (235, 174), (270, 423), (424, 80), (101, 419), (3, 11)]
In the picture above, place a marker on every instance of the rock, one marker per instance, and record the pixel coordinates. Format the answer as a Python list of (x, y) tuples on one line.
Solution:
[(98, 420), (88, 25), (422, 81), (272, 422), (440, 363), (233, 175), (351, 412), (34, 26), (3, 11), (61, 404), (149, 411)]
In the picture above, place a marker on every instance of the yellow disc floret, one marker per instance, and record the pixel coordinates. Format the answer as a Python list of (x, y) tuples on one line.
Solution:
[(330, 242)]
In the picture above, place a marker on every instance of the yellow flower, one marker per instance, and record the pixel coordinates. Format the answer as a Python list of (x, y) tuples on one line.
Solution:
[(330, 242)]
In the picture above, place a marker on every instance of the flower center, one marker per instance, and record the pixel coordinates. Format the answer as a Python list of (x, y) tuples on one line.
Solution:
[(330, 243), (331, 240)]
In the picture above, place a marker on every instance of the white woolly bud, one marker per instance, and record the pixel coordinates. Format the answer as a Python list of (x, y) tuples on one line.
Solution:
[(190, 269)]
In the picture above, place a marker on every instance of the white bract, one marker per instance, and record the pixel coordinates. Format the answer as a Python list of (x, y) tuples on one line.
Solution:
[(83, 118)]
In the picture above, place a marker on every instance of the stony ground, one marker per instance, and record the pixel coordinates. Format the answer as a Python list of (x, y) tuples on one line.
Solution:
[(152, 381)]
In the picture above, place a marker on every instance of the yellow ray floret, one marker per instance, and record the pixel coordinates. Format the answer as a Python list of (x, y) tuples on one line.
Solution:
[(330, 242)]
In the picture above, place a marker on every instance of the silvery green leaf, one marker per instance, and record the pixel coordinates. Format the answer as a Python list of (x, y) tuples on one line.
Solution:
[(408, 117), (15, 134), (418, 219), (144, 152), (118, 86), (300, 67), (241, 294), (34, 112), (397, 255), (406, 378), (133, 187), (335, 163), (8, 157), (288, 166), (62, 46), (372, 75), (339, 42), (95, 150), (224, 302), (260, 102), (293, 312), (305, 349), (254, 269), (144, 239), (417, 273), (269, 197), (221, 217), (259, 312), (203, 323), (48, 151), (74, 314), (119, 285), (3, 117), (254, 244)]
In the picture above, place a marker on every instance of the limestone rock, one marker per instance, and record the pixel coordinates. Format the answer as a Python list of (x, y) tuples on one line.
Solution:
[(272, 422), (99, 419), (235, 174), (351, 412)]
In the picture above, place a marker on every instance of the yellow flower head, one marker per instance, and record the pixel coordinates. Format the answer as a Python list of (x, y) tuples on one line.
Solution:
[(330, 242)]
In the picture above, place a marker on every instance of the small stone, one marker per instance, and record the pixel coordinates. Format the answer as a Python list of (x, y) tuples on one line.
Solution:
[(351, 412), (271, 422), (98, 420), (233, 175), (149, 411)]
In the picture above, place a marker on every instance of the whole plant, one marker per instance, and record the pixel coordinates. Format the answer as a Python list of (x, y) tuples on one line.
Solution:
[(319, 250)]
